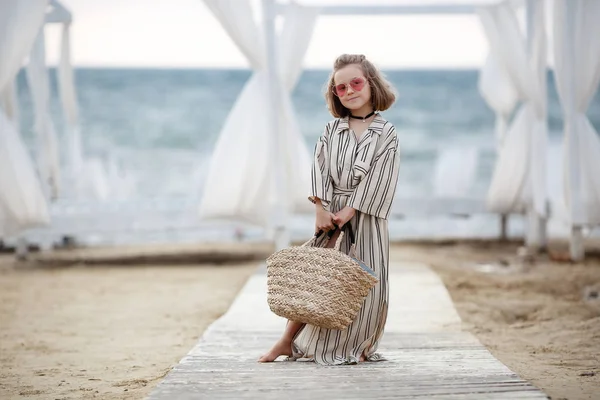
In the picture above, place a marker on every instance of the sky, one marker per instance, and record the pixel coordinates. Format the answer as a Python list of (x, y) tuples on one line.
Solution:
[(184, 34)]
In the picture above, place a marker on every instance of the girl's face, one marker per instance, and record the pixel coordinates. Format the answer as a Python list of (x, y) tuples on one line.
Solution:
[(352, 88)]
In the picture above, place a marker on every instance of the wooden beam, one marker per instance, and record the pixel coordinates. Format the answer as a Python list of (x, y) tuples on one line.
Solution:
[(576, 243), (456, 9), (279, 216), (57, 14)]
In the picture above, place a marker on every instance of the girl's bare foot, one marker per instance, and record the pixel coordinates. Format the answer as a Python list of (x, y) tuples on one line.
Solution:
[(281, 348), (363, 357)]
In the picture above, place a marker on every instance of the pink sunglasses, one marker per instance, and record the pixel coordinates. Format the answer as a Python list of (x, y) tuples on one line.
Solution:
[(357, 84)]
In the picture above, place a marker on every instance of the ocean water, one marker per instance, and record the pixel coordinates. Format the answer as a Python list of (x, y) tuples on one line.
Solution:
[(157, 128)]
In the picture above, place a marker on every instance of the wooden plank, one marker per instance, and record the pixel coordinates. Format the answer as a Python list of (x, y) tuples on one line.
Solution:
[(429, 355)]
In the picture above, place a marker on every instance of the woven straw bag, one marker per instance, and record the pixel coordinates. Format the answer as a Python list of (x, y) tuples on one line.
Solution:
[(318, 286)]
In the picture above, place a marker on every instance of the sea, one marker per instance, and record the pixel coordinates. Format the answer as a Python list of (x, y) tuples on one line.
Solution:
[(158, 127)]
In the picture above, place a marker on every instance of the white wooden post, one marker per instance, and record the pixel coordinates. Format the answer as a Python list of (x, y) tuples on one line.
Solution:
[(503, 227), (501, 127), (576, 248), (279, 207), (21, 248), (536, 237)]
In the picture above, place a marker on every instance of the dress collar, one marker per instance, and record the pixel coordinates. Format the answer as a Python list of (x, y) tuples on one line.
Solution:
[(375, 126)]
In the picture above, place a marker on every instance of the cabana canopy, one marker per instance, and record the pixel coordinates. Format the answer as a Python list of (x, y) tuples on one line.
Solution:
[(514, 71), (66, 85), (259, 170), (260, 167), (22, 200), (23, 196)]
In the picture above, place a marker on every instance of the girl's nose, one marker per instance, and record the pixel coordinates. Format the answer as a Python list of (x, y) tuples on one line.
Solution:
[(349, 89)]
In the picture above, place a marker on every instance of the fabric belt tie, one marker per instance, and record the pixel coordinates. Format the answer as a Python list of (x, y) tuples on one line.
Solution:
[(342, 192)]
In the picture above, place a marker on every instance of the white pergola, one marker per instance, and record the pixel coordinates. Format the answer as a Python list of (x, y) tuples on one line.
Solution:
[(25, 189), (516, 59), (267, 159), (58, 14), (22, 200)]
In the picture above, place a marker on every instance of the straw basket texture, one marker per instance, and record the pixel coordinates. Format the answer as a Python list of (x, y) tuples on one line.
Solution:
[(318, 286)]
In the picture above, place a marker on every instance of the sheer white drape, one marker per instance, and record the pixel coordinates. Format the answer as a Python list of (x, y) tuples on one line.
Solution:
[(241, 174), (47, 142), (498, 91), (577, 76), (20, 21), (295, 38), (10, 103), (519, 180), (22, 202)]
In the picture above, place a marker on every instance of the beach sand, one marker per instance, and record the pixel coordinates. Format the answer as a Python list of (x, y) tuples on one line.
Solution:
[(112, 332), (104, 332), (539, 317)]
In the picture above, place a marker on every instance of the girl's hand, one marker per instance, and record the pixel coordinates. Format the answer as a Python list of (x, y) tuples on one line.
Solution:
[(324, 221), (343, 216)]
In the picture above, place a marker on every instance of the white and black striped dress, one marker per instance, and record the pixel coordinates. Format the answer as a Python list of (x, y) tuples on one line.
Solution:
[(362, 174)]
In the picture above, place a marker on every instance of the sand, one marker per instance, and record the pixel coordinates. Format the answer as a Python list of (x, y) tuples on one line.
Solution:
[(112, 332), (530, 312), (104, 332)]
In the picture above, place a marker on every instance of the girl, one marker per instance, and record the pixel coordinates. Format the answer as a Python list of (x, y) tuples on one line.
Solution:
[(354, 180)]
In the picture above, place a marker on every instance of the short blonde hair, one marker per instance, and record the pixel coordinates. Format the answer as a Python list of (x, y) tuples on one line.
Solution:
[(382, 92)]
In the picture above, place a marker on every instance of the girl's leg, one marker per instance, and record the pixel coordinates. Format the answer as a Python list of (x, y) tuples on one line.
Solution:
[(283, 347)]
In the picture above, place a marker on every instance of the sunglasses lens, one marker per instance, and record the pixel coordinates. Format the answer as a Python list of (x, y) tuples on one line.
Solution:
[(357, 84), (340, 90)]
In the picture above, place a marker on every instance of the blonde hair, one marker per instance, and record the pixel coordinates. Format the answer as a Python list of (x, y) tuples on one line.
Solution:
[(382, 92)]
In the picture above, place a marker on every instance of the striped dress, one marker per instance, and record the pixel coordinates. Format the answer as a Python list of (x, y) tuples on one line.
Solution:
[(362, 174)]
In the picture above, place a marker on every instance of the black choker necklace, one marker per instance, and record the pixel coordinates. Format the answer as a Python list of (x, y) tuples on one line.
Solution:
[(363, 118)]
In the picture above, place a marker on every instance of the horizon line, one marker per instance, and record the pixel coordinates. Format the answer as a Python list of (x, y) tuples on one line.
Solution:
[(238, 68)]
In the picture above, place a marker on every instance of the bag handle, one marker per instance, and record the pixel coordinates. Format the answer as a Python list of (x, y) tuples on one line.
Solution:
[(329, 233), (343, 228), (338, 243)]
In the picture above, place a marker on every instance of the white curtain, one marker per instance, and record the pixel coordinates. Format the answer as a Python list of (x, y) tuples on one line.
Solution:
[(295, 38), (9, 102), (519, 180), (20, 21), (22, 202), (241, 173), (577, 76), (498, 91), (47, 142)]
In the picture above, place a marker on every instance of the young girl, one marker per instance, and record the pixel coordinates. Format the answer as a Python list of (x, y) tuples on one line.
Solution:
[(354, 180)]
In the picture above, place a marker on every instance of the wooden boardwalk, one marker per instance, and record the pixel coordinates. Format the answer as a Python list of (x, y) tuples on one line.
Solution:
[(430, 357)]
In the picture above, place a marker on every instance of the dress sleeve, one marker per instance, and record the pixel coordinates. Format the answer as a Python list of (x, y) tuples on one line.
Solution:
[(321, 184), (375, 192)]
